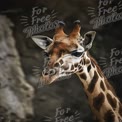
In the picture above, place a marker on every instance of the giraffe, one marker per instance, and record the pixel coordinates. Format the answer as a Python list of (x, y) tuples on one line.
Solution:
[(69, 54)]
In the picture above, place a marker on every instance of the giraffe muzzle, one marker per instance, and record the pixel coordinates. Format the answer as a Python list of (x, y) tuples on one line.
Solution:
[(49, 72), (49, 75)]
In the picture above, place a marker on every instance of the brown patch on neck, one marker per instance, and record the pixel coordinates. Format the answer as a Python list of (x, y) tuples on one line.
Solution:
[(120, 109), (108, 85), (102, 86), (81, 70), (83, 76), (93, 82), (98, 101), (109, 116), (112, 101), (87, 61), (89, 68)]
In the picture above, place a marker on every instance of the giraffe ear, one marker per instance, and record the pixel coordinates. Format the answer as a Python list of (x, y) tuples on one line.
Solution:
[(42, 41), (88, 39)]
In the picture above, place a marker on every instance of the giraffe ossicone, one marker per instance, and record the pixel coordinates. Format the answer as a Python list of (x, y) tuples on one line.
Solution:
[(68, 54)]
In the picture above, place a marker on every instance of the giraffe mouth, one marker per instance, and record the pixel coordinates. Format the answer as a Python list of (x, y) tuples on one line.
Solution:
[(45, 80), (48, 76), (58, 76)]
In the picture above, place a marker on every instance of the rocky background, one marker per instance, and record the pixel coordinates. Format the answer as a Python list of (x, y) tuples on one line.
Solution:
[(21, 97)]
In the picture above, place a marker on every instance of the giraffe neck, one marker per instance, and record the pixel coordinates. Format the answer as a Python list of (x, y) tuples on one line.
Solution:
[(101, 96)]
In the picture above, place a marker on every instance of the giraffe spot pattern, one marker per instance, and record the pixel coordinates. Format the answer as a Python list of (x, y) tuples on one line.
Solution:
[(61, 62), (102, 85), (98, 101), (89, 68), (112, 101), (79, 67), (109, 87), (72, 67), (120, 109), (57, 65), (93, 82), (83, 76), (75, 69), (81, 62), (119, 119), (109, 116), (87, 61), (81, 70), (66, 67), (76, 65)]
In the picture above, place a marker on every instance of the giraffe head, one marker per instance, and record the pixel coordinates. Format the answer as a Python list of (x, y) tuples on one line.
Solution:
[(64, 52)]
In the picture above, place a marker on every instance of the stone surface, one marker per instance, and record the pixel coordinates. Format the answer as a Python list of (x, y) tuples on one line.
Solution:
[(15, 92)]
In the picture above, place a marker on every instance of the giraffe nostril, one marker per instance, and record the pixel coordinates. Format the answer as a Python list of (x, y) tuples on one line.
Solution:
[(48, 71), (52, 71), (45, 71)]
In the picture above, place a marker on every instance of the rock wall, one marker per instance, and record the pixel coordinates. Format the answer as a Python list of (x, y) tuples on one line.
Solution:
[(15, 92)]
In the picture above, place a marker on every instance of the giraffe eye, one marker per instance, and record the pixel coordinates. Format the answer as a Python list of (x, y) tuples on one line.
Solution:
[(75, 53)]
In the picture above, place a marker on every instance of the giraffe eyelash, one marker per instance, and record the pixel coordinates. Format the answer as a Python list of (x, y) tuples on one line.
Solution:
[(75, 53)]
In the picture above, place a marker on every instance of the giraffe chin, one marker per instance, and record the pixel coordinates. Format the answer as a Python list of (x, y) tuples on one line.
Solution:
[(59, 75), (48, 79)]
